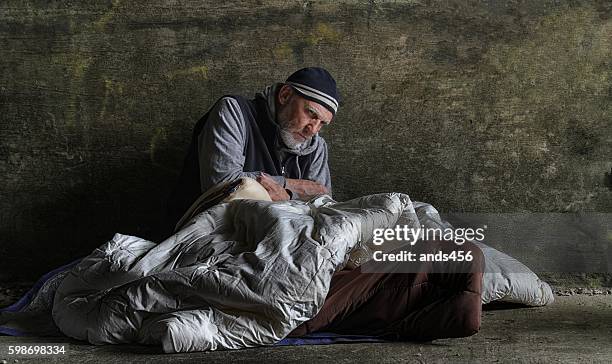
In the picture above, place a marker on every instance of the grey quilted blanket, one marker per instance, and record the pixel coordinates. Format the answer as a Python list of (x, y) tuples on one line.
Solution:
[(240, 274)]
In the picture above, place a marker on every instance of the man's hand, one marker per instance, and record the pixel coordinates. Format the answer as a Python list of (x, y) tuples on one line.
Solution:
[(306, 189), (276, 191)]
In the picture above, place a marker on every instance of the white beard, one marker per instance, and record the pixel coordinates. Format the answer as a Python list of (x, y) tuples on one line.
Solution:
[(290, 141)]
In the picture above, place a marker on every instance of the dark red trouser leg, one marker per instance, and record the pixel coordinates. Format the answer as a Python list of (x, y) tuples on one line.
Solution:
[(418, 306)]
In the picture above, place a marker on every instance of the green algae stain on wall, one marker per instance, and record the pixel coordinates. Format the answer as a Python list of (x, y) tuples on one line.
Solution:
[(112, 90), (317, 36), (100, 24), (282, 52), (322, 33), (200, 72), (78, 66)]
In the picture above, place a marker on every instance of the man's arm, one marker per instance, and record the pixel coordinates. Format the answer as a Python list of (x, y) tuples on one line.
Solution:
[(316, 179), (221, 145), (319, 169)]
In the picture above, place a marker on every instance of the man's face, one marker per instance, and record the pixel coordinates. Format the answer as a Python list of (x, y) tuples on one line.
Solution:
[(300, 118)]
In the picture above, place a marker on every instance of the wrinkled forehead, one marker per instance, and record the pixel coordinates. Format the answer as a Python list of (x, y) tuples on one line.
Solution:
[(323, 112)]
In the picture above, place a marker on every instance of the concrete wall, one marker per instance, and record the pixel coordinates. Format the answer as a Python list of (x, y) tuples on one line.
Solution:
[(482, 106)]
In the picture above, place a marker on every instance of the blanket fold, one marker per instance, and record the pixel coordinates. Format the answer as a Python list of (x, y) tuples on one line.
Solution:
[(241, 274)]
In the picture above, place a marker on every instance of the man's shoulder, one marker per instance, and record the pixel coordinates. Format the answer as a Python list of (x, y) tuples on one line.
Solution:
[(239, 110), (240, 107), (234, 101), (233, 106)]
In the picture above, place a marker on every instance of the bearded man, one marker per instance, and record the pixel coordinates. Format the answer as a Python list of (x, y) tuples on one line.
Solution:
[(272, 138)]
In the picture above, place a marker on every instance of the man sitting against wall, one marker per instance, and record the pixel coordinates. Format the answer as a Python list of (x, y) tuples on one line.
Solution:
[(274, 139)]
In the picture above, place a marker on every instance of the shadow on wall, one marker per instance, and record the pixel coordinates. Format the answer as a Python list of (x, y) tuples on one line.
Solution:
[(69, 224)]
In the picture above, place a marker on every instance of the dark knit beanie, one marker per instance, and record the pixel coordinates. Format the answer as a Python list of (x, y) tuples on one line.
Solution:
[(316, 84)]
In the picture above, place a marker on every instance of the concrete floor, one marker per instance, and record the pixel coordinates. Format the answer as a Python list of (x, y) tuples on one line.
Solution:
[(575, 328)]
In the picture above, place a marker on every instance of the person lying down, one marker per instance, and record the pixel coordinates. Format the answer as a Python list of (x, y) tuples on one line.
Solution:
[(243, 271)]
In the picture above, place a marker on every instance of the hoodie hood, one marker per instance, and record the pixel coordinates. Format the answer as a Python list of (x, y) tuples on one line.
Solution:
[(269, 94)]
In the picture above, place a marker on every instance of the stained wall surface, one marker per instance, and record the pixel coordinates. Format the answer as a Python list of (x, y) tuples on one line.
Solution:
[(473, 106)]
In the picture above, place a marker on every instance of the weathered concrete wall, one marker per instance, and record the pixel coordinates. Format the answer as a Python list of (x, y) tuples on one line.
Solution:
[(484, 106)]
